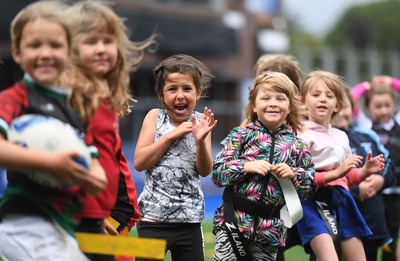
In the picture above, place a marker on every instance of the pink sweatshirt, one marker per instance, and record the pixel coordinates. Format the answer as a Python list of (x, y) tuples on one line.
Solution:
[(329, 148)]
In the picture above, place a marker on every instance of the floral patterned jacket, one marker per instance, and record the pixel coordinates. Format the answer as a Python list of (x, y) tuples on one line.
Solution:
[(255, 142)]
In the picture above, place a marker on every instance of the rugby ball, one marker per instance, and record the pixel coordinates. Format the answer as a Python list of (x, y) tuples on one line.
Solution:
[(47, 134)]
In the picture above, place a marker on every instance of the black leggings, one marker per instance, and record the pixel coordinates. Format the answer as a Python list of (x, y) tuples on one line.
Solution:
[(184, 240)]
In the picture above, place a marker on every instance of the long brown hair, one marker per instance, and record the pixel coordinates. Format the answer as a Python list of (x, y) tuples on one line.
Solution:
[(88, 90)]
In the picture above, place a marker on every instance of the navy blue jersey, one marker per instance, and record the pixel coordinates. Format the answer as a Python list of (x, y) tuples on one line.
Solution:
[(389, 135), (363, 141)]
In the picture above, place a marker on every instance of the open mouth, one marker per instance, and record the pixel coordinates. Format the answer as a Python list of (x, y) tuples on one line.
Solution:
[(180, 107)]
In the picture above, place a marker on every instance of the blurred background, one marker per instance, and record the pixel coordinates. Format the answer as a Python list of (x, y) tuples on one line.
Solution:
[(353, 38)]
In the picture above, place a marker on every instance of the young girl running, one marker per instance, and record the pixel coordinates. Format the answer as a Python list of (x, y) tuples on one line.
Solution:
[(324, 95), (174, 149), (103, 57), (250, 161)]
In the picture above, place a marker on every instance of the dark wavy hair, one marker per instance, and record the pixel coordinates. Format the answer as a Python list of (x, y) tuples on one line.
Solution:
[(184, 64)]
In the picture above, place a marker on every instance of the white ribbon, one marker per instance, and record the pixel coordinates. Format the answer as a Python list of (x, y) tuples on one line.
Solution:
[(292, 211)]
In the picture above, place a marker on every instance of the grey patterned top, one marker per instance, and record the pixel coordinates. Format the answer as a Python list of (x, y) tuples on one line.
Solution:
[(172, 189)]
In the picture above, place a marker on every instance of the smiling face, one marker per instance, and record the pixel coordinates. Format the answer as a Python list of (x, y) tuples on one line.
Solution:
[(43, 51), (321, 103), (271, 107), (381, 107), (98, 52), (179, 97)]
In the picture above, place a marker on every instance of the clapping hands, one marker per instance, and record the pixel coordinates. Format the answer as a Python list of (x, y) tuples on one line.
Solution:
[(204, 126)]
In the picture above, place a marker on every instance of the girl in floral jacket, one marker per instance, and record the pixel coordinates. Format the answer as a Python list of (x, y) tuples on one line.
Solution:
[(248, 164)]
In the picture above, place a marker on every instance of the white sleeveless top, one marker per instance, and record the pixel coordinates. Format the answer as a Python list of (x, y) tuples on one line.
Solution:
[(172, 189)]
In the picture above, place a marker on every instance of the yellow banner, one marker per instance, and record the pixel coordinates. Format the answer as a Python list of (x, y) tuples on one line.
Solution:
[(122, 246)]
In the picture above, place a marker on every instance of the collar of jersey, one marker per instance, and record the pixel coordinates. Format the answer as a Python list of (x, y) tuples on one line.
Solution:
[(388, 125), (51, 90)]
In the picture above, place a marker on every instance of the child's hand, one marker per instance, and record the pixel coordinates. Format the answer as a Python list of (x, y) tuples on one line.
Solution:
[(65, 169), (370, 186), (206, 124), (351, 162), (373, 165), (261, 167), (109, 229), (180, 131), (282, 170), (96, 181)]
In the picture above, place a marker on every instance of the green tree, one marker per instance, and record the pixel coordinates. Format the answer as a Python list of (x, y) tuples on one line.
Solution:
[(373, 25)]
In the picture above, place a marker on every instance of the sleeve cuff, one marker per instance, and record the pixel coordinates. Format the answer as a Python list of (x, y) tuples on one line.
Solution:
[(319, 179), (395, 84), (352, 176)]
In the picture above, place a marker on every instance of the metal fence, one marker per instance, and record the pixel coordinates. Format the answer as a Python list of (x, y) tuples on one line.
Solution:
[(353, 64)]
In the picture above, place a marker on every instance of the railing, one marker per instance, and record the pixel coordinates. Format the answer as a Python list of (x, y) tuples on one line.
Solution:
[(354, 65)]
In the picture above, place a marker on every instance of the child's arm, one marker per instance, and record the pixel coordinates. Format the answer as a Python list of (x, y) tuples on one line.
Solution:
[(323, 178), (148, 151), (359, 90), (229, 164), (59, 164), (204, 159), (96, 181), (202, 133), (370, 186), (372, 165), (304, 169), (395, 83)]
